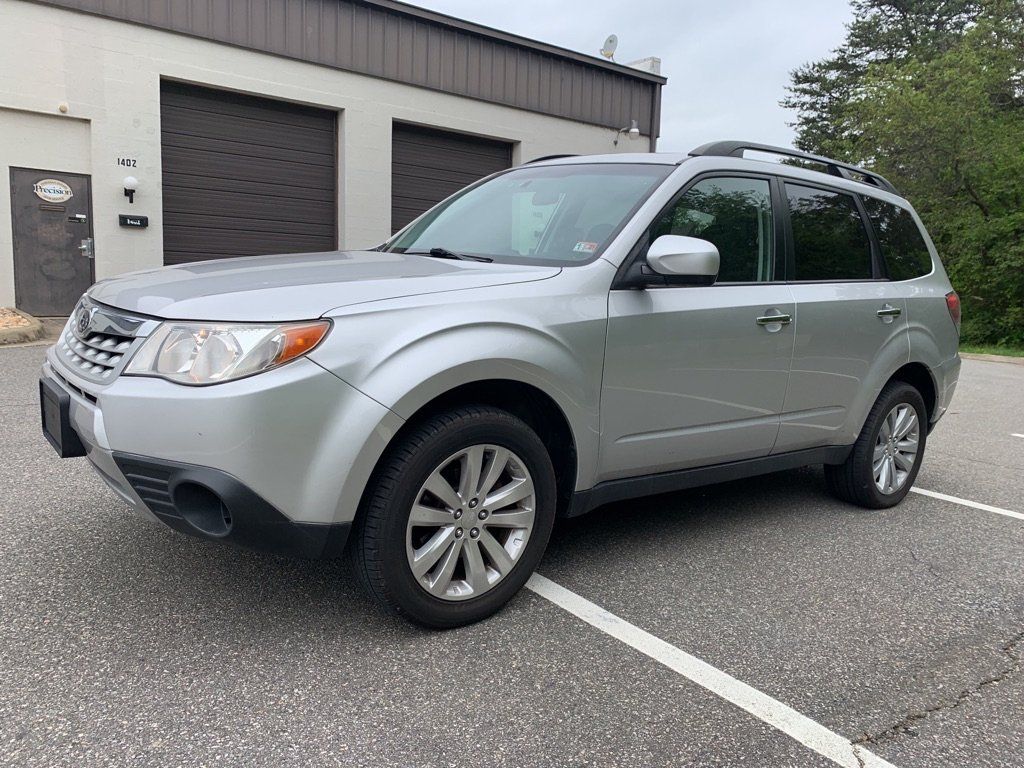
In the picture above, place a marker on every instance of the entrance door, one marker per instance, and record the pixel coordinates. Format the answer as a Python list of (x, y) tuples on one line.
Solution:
[(53, 247)]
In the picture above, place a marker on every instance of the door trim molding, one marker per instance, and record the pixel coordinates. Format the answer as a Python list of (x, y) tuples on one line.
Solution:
[(667, 482)]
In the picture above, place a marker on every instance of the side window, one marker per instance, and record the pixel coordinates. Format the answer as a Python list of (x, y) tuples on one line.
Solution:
[(830, 241), (903, 247), (733, 213)]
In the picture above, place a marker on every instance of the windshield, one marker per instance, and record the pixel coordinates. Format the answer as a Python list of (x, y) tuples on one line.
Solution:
[(564, 214)]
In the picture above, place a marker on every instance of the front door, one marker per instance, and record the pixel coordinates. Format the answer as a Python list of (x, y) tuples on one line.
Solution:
[(53, 247), (697, 375)]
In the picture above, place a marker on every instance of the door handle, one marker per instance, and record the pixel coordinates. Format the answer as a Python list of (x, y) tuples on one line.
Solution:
[(86, 248), (888, 312), (774, 320)]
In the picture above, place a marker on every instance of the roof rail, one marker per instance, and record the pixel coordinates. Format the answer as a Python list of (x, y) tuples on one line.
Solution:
[(834, 167), (547, 157)]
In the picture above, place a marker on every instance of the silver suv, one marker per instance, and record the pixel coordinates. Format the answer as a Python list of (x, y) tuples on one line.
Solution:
[(565, 334)]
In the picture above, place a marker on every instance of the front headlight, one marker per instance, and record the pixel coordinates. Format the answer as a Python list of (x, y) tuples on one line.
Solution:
[(209, 353)]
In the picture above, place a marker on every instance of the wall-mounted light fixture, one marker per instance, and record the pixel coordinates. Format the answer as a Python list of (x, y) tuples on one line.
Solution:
[(130, 185), (633, 131)]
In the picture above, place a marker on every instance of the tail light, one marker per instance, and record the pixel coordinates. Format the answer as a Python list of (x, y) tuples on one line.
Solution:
[(953, 305)]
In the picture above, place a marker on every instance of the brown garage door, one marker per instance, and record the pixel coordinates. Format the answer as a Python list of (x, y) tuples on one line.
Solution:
[(429, 165), (244, 176)]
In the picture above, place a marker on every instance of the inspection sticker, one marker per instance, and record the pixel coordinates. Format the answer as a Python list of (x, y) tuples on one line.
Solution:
[(585, 247)]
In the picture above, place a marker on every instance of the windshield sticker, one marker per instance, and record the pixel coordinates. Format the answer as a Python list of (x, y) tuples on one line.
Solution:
[(582, 247)]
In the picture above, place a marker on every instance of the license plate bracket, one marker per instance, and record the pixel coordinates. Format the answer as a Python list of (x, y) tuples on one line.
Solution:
[(55, 411)]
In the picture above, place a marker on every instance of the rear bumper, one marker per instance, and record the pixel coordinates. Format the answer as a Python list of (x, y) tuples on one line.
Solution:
[(205, 502), (947, 374)]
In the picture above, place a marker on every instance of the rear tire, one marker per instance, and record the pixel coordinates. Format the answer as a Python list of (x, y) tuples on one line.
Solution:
[(876, 474), (402, 523)]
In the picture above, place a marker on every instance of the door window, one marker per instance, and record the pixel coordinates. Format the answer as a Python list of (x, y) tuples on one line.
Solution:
[(903, 247), (735, 214), (830, 241)]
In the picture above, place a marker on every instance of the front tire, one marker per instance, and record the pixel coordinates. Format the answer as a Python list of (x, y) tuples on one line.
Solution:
[(456, 517), (887, 455)]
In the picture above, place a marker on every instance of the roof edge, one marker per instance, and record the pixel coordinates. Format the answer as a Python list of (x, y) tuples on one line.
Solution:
[(443, 19)]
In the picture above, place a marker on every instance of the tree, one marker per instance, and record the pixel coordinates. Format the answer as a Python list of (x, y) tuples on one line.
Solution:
[(882, 31), (931, 94)]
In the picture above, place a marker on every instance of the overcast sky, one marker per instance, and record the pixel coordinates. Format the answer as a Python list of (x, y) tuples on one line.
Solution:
[(727, 61)]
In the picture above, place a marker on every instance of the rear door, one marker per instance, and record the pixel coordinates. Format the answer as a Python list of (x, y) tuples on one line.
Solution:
[(694, 375), (850, 320)]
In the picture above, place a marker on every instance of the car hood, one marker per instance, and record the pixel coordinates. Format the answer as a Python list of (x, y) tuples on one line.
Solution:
[(297, 286)]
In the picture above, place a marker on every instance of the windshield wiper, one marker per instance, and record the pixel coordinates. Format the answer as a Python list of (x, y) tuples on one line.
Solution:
[(444, 253)]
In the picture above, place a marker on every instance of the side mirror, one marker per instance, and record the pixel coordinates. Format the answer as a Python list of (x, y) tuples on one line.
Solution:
[(684, 260)]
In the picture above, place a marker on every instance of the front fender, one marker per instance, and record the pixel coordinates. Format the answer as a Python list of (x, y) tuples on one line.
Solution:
[(546, 335)]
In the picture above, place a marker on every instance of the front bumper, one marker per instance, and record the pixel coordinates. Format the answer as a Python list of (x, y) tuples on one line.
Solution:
[(206, 502), (287, 452)]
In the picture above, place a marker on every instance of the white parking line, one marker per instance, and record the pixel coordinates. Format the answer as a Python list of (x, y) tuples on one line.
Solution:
[(815, 736), (1014, 434), (968, 503)]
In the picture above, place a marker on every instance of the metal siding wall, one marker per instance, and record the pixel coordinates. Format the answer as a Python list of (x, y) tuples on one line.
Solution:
[(377, 41)]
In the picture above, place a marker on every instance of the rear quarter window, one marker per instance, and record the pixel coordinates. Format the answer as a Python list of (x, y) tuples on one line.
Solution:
[(904, 249), (830, 241)]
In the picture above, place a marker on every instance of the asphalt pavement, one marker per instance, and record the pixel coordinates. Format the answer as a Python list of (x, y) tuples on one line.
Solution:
[(124, 643)]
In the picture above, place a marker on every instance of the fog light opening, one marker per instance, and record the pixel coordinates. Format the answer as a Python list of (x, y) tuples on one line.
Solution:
[(202, 509)]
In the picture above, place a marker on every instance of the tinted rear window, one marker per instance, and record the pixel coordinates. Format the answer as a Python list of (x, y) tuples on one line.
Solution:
[(903, 246), (830, 241)]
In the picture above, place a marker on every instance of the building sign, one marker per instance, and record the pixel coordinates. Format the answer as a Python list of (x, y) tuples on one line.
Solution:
[(140, 222), (52, 190)]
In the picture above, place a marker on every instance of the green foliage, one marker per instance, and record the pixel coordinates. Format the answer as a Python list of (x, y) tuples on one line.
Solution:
[(991, 350), (882, 31), (931, 94)]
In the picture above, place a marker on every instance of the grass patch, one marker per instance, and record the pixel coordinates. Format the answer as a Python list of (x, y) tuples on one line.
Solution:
[(983, 350)]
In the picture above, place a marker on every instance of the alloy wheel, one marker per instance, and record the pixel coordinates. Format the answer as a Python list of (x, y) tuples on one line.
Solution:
[(471, 522), (896, 448)]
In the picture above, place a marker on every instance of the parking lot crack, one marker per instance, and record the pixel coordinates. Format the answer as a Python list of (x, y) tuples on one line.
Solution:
[(930, 568), (907, 723)]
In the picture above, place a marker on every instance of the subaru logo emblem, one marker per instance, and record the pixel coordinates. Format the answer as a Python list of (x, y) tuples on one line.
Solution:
[(82, 322)]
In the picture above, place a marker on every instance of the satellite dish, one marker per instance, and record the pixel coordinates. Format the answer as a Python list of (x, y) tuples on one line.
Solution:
[(608, 49)]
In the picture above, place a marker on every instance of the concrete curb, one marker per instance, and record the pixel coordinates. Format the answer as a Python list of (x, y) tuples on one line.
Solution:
[(993, 358), (27, 333)]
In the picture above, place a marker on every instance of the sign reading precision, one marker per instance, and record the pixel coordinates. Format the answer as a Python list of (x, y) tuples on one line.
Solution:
[(52, 190)]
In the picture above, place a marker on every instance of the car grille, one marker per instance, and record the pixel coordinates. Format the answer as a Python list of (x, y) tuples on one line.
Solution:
[(97, 339), (95, 354)]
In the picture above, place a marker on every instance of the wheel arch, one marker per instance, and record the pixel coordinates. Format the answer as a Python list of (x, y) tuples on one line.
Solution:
[(920, 378), (525, 400)]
